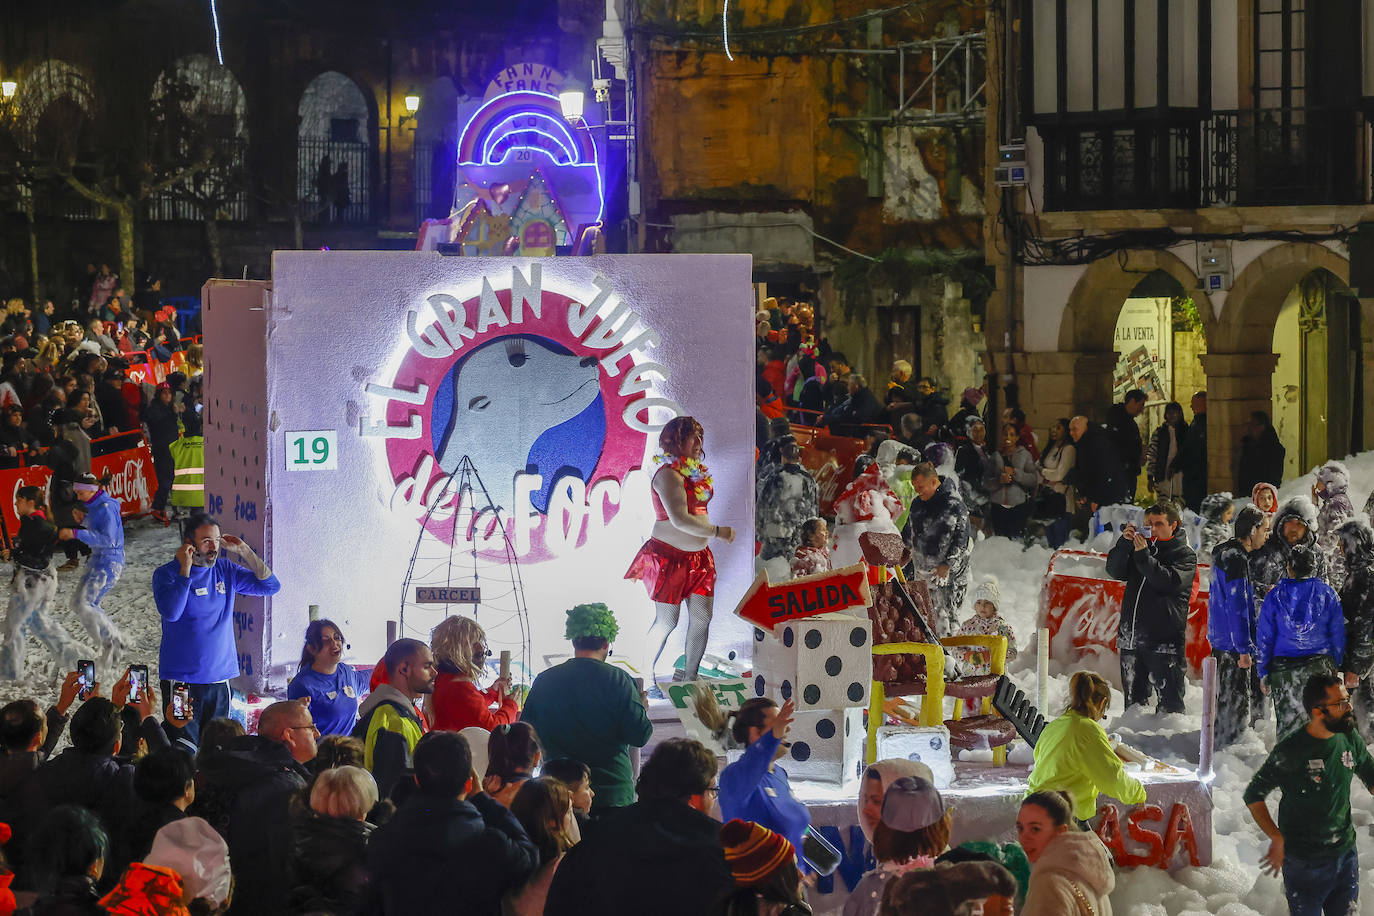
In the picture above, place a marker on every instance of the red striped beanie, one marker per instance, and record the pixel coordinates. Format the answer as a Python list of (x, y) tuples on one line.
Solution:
[(753, 852)]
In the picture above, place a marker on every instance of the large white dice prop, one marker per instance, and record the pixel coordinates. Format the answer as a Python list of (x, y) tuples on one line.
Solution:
[(928, 745), (823, 662), (827, 746)]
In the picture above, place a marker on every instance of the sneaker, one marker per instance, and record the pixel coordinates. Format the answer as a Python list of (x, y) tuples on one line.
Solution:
[(68, 566)]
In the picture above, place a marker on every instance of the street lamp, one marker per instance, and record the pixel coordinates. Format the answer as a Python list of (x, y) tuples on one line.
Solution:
[(412, 103), (8, 88), (571, 102)]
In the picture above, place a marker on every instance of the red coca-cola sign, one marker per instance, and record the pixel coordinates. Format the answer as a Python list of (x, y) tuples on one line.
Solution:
[(1078, 594)]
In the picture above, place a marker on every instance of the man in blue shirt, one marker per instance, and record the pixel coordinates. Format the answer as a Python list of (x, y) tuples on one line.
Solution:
[(195, 596), (103, 531)]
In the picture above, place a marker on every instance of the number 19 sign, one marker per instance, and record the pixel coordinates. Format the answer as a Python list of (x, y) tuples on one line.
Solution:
[(312, 450)]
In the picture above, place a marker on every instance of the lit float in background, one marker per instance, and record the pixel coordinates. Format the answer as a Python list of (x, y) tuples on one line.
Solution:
[(531, 179)]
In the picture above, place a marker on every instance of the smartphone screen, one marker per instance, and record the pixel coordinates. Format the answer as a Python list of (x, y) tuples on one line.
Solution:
[(181, 700), (85, 670), (138, 682)]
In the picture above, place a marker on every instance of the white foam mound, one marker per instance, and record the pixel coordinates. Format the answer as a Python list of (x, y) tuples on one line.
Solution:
[(1233, 884)]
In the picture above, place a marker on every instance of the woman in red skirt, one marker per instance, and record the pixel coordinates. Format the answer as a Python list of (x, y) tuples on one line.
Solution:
[(676, 564)]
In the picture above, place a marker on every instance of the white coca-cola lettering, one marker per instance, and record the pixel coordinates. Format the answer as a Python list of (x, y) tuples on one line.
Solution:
[(130, 485)]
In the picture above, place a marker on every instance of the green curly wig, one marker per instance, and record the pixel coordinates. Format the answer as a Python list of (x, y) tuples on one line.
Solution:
[(591, 620)]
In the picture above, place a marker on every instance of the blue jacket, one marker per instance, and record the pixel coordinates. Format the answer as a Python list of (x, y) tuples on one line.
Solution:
[(1231, 601), (1299, 617), (751, 792), (104, 528), (198, 618)]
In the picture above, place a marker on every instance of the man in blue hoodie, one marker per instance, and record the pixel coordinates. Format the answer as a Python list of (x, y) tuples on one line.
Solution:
[(103, 531), (195, 596), (1300, 633), (1231, 616)]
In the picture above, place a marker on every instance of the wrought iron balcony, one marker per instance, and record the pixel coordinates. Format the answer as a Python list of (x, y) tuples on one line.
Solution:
[(1285, 157)]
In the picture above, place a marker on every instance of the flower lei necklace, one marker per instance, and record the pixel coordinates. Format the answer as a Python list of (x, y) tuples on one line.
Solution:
[(693, 470)]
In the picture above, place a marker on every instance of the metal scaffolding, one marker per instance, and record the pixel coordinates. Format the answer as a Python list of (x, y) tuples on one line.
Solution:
[(949, 75)]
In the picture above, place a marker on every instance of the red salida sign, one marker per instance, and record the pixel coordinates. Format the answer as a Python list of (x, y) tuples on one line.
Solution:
[(766, 605)]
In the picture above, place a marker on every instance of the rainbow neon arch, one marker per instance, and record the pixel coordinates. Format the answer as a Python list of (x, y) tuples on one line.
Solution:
[(520, 162)]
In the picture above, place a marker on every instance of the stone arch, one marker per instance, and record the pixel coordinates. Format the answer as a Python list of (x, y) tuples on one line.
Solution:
[(1257, 296), (1089, 321), (333, 132), (198, 102), (50, 83)]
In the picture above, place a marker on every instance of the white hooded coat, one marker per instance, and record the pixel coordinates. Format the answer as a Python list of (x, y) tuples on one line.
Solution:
[(1071, 859)]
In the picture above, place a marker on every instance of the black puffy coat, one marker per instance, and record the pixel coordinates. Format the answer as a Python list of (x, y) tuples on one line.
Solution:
[(245, 793), (442, 855), (1096, 473), (1159, 580), (1125, 436), (1357, 596), (937, 530), (1261, 460), (1269, 564), (657, 856), (329, 865)]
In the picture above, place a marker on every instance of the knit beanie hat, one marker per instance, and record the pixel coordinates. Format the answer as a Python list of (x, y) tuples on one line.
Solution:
[(753, 852), (987, 590), (191, 848)]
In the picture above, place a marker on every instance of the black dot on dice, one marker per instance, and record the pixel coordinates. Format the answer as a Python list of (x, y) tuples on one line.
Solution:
[(758, 685), (846, 726), (858, 636), (786, 690), (758, 635), (788, 637), (833, 665), (812, 694), (855, 692), (825, 729), (801, 751), (813, 639)]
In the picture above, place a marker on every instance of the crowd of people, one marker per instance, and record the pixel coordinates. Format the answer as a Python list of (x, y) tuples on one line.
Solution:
[(412, 788)]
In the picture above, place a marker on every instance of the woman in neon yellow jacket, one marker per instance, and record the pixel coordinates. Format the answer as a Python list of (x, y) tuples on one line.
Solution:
[(1075, 755)]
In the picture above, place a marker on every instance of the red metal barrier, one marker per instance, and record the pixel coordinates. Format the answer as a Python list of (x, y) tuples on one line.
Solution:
[(132, 480), (1080, 594)]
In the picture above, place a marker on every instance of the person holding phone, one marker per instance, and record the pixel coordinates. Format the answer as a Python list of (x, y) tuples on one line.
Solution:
[(35, 586), (195, 595), (1158, 571)]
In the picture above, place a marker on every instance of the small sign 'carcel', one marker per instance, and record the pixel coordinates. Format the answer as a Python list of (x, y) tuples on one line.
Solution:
[(444, 595)]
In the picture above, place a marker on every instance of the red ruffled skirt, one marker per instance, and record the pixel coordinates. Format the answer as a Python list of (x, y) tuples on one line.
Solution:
[(670, 574)]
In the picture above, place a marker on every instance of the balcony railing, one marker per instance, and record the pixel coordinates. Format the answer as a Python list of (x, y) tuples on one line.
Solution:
[(1229, 158)]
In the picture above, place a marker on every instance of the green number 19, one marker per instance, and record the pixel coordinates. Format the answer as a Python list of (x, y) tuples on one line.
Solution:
[(319, 446)]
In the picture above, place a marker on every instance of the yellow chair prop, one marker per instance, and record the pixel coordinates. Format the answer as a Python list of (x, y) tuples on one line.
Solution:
[(935, 689)]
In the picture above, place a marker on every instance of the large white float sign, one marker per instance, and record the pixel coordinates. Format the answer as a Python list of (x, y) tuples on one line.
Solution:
[(469, 424)]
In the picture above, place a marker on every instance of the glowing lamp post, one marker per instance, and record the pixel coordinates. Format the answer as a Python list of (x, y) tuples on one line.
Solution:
[(7, 89), (571, 102)]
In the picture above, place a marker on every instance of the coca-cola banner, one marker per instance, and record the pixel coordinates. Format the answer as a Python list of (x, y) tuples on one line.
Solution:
[(132, 479), (132, 482), (1081, 607)]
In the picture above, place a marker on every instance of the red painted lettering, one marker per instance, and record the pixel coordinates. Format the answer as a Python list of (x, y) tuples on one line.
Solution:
[(1154, 845), (1180, 830)]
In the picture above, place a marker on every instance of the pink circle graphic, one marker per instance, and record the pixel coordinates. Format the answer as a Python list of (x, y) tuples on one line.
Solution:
[(526, 396)]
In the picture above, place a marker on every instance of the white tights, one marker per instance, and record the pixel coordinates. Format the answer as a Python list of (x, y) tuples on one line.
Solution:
[(699, 609)]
